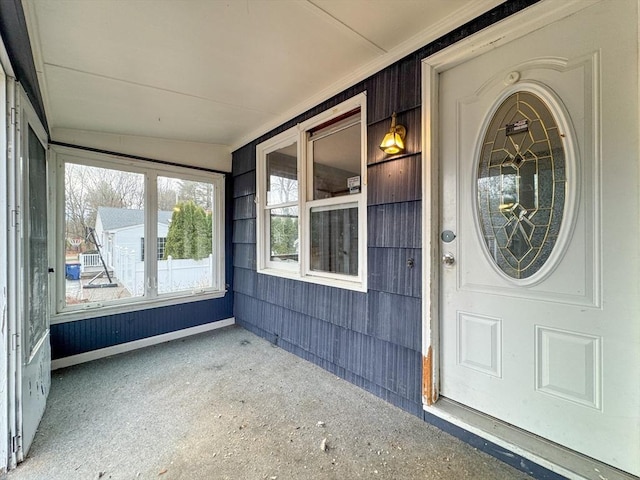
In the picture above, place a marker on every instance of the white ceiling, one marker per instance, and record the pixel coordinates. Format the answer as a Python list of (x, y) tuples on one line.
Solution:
[(217, 71)]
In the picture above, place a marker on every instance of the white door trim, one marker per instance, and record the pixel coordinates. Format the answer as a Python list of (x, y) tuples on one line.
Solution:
[(5, 138), (503, 32), (14, 306)]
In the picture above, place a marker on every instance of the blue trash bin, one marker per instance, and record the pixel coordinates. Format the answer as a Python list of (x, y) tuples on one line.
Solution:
[(72, 271)]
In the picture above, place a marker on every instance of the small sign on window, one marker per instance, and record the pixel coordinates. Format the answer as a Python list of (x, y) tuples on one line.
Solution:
[(353, 183), (517, 127)]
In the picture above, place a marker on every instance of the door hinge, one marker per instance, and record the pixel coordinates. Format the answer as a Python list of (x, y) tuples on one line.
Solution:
[(13, 116), (14, 218), (14, 341), (15, 443)]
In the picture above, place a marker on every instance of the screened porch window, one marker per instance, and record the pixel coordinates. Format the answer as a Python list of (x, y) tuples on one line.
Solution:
[(110, 209)]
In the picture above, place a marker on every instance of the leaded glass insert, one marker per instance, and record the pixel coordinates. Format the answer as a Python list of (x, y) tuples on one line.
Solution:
[(521, 184)]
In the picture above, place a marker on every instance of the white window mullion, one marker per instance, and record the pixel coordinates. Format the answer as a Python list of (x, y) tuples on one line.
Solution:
[(262, 225), (260, 201), (363, 220), (151, 235), (219, 236), (303, 221), (307, 159)]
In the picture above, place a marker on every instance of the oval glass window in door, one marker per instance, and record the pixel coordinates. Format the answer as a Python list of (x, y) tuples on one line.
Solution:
[(521, 185)]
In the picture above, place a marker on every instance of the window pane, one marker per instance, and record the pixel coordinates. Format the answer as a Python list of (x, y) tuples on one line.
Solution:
[(521, 185), (161, 243), (336, 153), (104, 225), (37, 245), (184, 247), (284, 234), (282, 175), (160, 247), (334, 240)]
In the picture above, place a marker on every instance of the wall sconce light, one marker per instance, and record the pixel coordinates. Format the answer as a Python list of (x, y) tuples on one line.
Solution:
[(394, 140)]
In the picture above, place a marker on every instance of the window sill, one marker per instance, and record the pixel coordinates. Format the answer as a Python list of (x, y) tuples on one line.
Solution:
[(358, 286), (97, 310)]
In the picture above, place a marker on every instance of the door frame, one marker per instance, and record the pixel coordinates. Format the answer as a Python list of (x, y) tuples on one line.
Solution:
[(6, 142), (553, 457)]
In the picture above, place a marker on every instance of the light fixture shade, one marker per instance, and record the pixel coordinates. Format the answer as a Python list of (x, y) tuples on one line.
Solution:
[(393, 141)]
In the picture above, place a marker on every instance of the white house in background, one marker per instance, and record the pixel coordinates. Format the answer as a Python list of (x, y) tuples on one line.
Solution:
[(122, 229), (120, 232)]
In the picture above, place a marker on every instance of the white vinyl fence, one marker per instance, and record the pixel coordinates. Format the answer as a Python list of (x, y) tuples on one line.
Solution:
[(173, 274)]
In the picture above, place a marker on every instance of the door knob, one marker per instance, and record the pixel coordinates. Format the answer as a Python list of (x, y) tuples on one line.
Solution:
[(448, 259)]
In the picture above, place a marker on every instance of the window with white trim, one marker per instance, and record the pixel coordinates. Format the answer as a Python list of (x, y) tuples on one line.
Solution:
[(108, 209), (161, 243), (311, 198)]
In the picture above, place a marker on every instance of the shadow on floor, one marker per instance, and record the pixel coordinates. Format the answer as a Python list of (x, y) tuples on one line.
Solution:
[(229, 405)]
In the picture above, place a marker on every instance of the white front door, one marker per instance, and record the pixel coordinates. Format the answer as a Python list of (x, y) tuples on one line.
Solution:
[(31, 328), (539, 288)]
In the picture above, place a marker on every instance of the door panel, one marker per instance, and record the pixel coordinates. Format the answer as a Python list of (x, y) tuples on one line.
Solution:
[(34, 377), (549, 352), (37, 246)]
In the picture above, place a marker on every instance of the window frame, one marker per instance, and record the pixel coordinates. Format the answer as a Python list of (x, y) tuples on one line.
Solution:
[(301, 270), (263, 224), (159, 250), (150, 170)]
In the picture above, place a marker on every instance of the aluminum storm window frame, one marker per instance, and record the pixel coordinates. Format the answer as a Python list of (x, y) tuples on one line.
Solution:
[(61, 312), (300, 139)]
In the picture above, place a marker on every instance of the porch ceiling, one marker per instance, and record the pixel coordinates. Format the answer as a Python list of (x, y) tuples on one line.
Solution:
[(214, 71)]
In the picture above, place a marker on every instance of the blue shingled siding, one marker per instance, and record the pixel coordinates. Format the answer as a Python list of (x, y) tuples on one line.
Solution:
[(80, 336), (371, 339)]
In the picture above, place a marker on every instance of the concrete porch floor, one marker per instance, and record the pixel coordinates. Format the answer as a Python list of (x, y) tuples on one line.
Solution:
[(229, 405)]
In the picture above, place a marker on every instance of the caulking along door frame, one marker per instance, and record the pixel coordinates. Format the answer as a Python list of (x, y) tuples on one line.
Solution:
[(508, 30)]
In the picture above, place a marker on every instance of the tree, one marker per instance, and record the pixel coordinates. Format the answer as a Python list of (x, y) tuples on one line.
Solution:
[(200, 192), (76, 207), (167, 193), (189, 233), (284, 232), (87, 188)]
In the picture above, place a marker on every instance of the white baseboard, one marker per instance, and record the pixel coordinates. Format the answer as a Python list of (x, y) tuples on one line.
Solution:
[(144, 342)]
